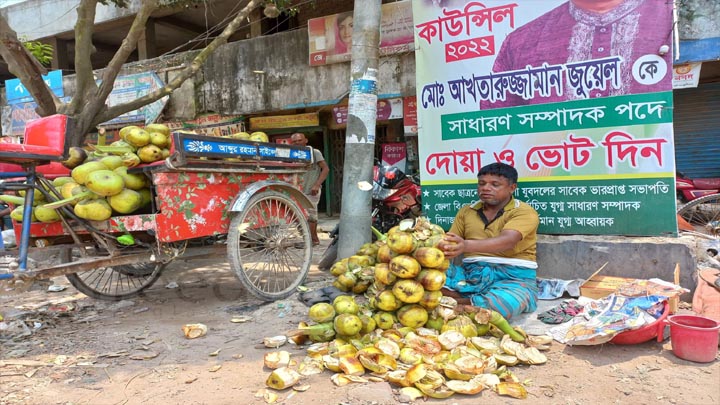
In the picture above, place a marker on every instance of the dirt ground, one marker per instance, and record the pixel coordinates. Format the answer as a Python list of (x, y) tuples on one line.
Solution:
[(76, 350)]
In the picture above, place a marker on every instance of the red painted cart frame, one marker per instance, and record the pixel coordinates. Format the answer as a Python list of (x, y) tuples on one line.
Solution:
[(244, 196)]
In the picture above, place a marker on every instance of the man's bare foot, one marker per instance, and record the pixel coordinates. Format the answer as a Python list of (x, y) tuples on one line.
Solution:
[(458, 297)]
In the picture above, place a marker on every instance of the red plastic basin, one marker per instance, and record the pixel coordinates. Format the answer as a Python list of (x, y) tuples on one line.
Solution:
[(645, 333)]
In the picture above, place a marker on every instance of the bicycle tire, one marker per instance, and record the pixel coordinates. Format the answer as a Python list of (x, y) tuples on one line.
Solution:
[(703, 214), (269, 246)]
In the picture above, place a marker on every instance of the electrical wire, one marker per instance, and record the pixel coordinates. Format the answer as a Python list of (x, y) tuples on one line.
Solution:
[(218, 27)]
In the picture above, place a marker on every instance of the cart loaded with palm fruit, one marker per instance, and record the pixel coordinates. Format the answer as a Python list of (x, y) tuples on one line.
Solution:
[(114, 222)]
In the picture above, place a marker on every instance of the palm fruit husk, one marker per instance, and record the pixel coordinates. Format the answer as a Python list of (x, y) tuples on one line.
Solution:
[(282, 378), (471, 387), (451, 339), (410, 356), (321, 332), (331, 363), (462, 324), (377, 362), (412, 393), (470, 365), (488, 380), (416, 373), (540, 342), (452, 372), (505, 359), (534, 357), (310, 366), (389, 347), (345, 379), (274, 360), (423, 344), (350, 365), (511, 389)]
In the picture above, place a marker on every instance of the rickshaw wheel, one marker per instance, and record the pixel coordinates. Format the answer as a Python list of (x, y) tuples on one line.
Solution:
[(116, 282), (269, 246)]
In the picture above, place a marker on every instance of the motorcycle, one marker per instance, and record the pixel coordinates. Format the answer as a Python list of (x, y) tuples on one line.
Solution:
[(395, 196), (691, 189), (699, 204)]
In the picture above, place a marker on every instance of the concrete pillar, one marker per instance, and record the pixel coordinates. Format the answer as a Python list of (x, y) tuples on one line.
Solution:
[(60, 58), (256, 17), (146, 47)]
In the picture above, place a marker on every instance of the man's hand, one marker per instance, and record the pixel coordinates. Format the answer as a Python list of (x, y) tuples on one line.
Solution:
[(452, 245), (315, 190)]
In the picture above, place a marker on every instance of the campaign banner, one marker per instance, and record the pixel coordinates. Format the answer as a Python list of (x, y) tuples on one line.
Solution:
[(330, 37), (579, 102)]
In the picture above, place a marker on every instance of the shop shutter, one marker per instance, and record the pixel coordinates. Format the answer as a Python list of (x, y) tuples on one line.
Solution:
[(697, 131)]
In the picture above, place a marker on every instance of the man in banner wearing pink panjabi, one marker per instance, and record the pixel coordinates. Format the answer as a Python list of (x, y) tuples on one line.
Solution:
[(583, 30)]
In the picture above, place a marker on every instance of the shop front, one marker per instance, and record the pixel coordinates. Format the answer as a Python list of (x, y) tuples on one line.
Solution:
[(280, 128), (394, 145)]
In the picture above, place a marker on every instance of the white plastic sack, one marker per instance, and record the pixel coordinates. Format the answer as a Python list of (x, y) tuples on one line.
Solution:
[(8, 237)]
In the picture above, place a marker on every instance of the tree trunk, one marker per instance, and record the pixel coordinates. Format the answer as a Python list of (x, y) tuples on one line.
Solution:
[(88, 106)]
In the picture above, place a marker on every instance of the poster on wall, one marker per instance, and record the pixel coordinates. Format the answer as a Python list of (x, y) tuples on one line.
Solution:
[(131, 87), (410, 116), (395, 154), (686, 75), (579, 102), (389, 109), (330, 37)]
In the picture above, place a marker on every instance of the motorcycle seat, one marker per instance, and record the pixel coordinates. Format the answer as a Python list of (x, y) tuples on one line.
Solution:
[(707, 184)]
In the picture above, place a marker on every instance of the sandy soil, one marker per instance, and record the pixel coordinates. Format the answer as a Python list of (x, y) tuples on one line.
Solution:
[(134, 352)]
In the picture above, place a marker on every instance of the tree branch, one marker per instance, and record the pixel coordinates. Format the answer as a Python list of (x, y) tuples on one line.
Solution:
[(84, 79), (25, 67), (126, 48), (186, 73)]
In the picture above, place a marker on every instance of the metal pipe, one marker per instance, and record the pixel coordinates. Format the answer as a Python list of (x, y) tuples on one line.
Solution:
[(676, 30), (27, 220)]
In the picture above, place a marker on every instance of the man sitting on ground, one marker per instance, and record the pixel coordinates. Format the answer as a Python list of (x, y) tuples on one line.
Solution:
[(498, 237)]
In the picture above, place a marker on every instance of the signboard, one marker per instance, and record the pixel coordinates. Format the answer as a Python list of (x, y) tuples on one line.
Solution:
[(394, 154), (410, 116), (285, 121), (16, 92), (131, 87), (686, 75), (579, 102), (389, 109), (330, 37), (211, 125), (15, 116)]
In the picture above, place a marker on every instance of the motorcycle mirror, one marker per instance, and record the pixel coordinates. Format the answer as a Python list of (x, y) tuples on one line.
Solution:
[(364, 186)]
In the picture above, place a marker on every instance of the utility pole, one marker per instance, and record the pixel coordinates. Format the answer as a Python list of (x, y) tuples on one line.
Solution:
[(355, 221)]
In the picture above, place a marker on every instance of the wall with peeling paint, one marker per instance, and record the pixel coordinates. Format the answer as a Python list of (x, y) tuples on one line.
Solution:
[(272, 73)]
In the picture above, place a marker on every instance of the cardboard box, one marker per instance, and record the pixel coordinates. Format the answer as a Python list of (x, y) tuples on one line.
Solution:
[(598, 286), (601, 286)]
